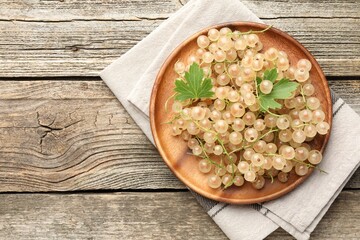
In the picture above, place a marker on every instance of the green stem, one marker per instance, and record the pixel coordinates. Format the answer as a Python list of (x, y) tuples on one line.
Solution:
[(274, 114), (272, 130), (227, 154), (167, 102), (251, 145), (228, 185), (206, 156), (303, 96), (227, 73), (267, 110), (309, 165), (272, 177), (251, 31), (222, 145), (172, 120), (204, 129), (303, 125), (239, 149), (261, 31)]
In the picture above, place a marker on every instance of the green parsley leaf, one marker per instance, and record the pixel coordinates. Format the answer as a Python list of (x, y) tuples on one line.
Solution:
[(281, 90), (267, 102), (194, 86), (271, 75), (258, 80)]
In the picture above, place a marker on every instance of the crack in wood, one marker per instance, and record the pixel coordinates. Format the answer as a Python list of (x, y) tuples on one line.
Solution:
[(131, 19), (49, 129)]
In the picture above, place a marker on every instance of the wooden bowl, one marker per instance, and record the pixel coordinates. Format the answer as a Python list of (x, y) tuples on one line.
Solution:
[(174, 149)]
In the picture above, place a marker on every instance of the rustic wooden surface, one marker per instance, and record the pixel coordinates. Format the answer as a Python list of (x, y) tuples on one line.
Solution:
[(155, 215), (80, 38), (62, 130)]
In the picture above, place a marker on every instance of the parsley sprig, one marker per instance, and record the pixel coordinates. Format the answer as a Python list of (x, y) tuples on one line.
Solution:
[(194, 86), (282, 89)]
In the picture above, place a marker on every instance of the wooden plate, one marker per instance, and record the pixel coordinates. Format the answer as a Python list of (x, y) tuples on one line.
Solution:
[(174, 149)]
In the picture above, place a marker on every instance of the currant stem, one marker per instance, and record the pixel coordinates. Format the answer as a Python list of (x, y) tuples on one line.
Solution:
[(167, 102), (309, 165), (204, 129), (227, 154), (303, 96), (227, 73), (303, 125), (251, 31), (267, 110), (272, 130), (251, 145), (207, 156)]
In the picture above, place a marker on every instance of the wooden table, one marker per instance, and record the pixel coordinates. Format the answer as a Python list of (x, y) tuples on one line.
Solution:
[(73, 164)]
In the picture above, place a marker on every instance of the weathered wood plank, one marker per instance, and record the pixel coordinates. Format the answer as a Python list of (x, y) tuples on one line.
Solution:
[(304, 8), (141, 216), (75, 135), (66, 145), (132, 9), (72, 40), (84, 88), (72, 144), (85, 10), (62, 88)]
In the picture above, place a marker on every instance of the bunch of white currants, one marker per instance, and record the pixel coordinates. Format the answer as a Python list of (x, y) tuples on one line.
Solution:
[(236, 140)]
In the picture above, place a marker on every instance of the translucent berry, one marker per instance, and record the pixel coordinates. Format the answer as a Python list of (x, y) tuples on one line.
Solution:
[(203, 41), (266, 86), (238, 180), (322, 128), (235, 138), (214, 181), (301, 169), (221, 126), (282, 122), (315, 157), (204, 166), (250, 176), (251, 135), (213, 34), (283, 177), (259, 182), (257, 159)]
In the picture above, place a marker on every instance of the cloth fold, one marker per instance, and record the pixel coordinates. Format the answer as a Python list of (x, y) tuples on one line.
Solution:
[(299, 211)]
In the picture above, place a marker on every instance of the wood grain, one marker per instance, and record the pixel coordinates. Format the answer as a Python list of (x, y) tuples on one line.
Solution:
[(64, 134), (65, 145), (130, 9), (80, 38), (141, 216), (75, 135), (87, 10)]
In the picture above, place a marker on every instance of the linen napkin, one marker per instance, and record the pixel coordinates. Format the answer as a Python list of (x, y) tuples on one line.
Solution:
[(297, 212)]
